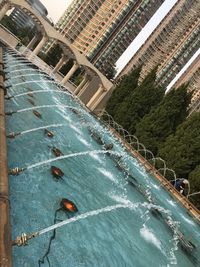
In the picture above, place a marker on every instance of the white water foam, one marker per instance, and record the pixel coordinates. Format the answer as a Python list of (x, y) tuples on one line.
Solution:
[(108, 174), (82, 140), (155, 186), (76, 129), (67, 118), (97, 158), (150, 237), (171, 202), (121, 199), (187, 220)]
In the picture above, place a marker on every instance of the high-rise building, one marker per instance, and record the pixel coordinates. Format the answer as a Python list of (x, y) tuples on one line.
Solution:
[(192, 76), (171, 44), (103, 29), (22, 19)]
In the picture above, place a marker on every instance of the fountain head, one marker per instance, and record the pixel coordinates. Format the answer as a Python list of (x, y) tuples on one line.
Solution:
[(9, 113), (16, 171), (108, 146), (96, 137), (155, 212), (75, 111), (48, 133), (30, 94), (23, 239), (31, 102), (132, 183), (57, 173), (8, 86), (56, 152), (12, 135), (37, 114), (9, 97), (68, 205)]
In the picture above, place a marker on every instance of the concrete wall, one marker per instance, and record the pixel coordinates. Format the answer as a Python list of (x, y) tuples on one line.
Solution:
[(7, 37)]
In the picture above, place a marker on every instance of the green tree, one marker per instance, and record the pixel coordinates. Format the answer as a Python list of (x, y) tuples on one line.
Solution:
[(181, 150), (194, 179), (123, 89), (24, 34), (53, 56), (9, 24), (163, 120), (139, 103)]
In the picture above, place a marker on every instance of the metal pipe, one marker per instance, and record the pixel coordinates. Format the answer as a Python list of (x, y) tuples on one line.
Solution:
[(5, 228)]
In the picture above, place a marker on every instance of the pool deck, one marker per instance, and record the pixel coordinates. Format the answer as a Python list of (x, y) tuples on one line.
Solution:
[(5, 228), (191, 209)]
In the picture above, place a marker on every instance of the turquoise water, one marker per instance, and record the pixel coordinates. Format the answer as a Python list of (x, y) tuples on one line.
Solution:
[(123, 231)]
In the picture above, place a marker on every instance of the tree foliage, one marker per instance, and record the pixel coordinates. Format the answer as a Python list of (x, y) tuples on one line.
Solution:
[(53, 56), (24, 34), (182, 149), (163, 120), (124, 88), (139, 103)]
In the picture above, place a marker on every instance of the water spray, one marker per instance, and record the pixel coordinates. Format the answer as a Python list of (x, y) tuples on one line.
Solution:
[(24, 238)]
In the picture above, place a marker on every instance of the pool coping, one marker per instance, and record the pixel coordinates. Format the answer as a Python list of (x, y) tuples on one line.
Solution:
[(5, 227)]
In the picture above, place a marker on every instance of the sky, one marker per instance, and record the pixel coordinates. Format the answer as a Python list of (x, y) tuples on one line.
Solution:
[(57, 8)]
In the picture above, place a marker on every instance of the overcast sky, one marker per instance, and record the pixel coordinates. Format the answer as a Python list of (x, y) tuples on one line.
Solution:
[(56, 8)]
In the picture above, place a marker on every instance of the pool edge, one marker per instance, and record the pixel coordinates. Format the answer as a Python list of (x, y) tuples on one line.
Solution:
[(5, 227)]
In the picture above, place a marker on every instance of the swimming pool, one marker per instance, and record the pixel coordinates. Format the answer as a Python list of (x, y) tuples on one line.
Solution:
[(124, 217)]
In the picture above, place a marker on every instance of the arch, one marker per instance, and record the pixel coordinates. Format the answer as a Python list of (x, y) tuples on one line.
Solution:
[(50, 32)]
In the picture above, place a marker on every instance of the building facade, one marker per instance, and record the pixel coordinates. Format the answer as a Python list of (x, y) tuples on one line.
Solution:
[(22, 19), (192, 76), (103, 29), (171, 44)]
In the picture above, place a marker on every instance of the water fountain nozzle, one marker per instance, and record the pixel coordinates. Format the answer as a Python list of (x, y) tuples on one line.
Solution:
[(9, 97), (9, 113), (16, 171), (12, 135), (23, 239)]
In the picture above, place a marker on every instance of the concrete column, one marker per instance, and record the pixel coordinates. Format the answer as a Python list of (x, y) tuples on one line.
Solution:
[(40, 45), (3, 10), (84, 87), (32, 42), (95, 99), (80, 86), (60, 63), (70, 73)]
